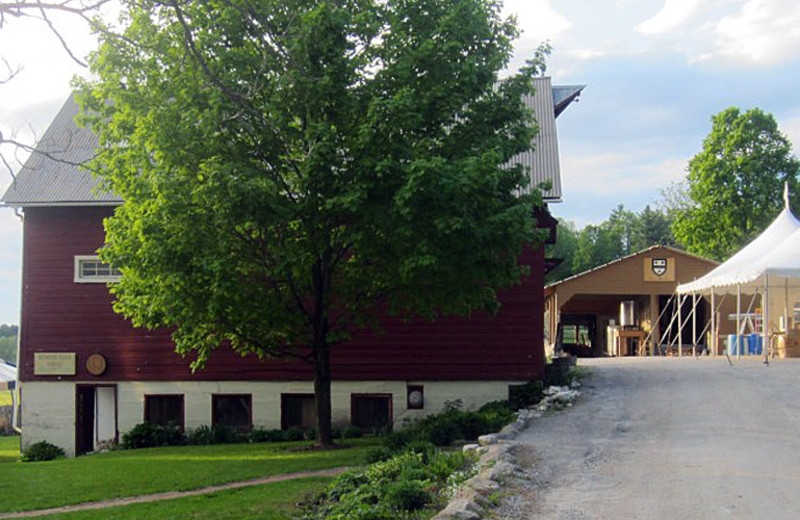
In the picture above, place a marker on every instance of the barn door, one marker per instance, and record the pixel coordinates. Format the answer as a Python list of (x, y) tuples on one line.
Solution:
[(84, 419), (95, 417)]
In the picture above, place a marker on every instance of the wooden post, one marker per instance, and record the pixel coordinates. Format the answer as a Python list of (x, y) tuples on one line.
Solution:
[(680, 326), (765, 320), (694, 324), (713, 322), (738, 321)]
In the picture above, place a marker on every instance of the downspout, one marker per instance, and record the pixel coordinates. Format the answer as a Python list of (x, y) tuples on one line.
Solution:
[(15, 418)]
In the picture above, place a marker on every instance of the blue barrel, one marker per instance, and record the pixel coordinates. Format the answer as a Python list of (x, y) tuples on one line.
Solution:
[(733, 345), (755, 344)]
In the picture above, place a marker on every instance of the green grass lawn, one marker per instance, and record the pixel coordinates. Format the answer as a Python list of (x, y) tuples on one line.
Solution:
[(276, 501), (9, 448), (38, 485)]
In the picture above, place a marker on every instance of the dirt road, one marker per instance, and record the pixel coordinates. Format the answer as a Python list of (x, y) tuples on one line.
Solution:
[(670, 439)]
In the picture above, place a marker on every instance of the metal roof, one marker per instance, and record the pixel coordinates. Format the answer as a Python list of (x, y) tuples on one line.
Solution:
[(549, 287), (53, 175), (542, 158)]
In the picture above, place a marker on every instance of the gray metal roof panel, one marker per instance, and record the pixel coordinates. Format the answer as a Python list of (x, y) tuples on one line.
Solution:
[(542, 159), (53, 174)]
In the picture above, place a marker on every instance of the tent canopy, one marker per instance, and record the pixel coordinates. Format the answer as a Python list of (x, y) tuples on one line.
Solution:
[(773, 257), (8, 375)]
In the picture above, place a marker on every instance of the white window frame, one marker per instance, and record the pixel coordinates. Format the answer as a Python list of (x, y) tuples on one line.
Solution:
[(79, 278)]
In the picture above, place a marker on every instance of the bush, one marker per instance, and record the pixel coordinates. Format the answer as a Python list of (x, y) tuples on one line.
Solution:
[(426, 450), (295, 434), (378, 454), (310, 434), (351, 432), (407, 495), (393, 489), (148, 435), (221, 434), (523, 396), (200, 435), (441, 429), (41, 451)]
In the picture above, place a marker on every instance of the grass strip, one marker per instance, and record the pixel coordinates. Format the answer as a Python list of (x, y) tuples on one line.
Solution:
[(276, 501), (9, 448), (119, 474)]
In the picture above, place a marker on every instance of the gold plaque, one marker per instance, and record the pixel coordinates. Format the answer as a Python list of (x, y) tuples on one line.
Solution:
[(54, 363), (659, 269), (96, 364)]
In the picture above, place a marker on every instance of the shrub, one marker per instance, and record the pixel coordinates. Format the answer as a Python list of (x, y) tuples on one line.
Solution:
[(407, 495), (378, 454), (294, 434), (346, 483), (441, 429), (148, 435), (523, 396), (426, 450), (351, 432), (41, 451), (310, 434), (200, 435), (221, 434)]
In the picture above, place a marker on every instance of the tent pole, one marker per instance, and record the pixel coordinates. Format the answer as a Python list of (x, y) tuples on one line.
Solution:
[(764, 320), (713, 322), (680, 325), (694, 324), (738, 321), (785, 312)]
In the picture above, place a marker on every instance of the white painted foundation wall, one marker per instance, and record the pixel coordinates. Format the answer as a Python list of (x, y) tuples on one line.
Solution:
[(48, 408)]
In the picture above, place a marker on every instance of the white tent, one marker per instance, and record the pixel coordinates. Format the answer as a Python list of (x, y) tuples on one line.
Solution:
[(8, 375), (769, 266), (747, 265)]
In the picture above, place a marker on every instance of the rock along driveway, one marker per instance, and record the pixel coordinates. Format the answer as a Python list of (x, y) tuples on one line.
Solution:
[(669, 438)]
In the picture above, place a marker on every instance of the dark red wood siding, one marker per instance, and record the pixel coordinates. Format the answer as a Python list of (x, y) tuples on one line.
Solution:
[(62, 316)]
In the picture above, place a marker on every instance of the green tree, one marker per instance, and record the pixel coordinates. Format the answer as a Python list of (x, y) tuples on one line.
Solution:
[(8, 342), (288, 165), (564, 249), (651, 227), (735, 183)]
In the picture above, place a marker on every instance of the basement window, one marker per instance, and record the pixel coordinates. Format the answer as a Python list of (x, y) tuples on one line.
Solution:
[(164, 409), (298, 411), (90, 269), (371, 412), (232, 410)]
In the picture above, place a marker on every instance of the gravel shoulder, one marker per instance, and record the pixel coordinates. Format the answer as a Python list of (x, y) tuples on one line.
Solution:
[(666, 438)]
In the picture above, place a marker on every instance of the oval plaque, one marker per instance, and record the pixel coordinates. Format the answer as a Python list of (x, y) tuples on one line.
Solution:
[(96, 364)]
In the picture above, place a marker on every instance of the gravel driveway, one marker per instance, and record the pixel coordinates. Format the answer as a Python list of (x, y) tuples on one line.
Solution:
[(667, 438)]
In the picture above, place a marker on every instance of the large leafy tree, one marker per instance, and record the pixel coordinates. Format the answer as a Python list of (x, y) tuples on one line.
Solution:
[(735, 183), (290, 166)]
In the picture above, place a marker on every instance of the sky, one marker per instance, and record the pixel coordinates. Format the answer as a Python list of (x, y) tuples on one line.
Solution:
[(655, 72)]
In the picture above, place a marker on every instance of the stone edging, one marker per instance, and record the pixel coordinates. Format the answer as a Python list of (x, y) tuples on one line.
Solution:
[(496, 462)]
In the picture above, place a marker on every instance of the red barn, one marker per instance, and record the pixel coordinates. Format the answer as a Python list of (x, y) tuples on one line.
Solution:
[(86, 374)]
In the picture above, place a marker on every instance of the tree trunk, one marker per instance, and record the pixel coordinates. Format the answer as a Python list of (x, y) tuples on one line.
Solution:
[(322, 353), (322, 392)]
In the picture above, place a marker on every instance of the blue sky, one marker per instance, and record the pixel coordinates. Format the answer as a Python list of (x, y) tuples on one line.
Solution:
[(655, 70)]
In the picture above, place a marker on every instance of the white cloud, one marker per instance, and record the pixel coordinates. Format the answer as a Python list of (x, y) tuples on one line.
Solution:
[(586, 54), (537, 18), (762, 32), (620, 175), (790, 126), (671, 15)]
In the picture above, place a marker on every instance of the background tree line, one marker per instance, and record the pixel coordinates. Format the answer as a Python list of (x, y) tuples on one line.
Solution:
[(8, 342), (622, 233), (732, 192)]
